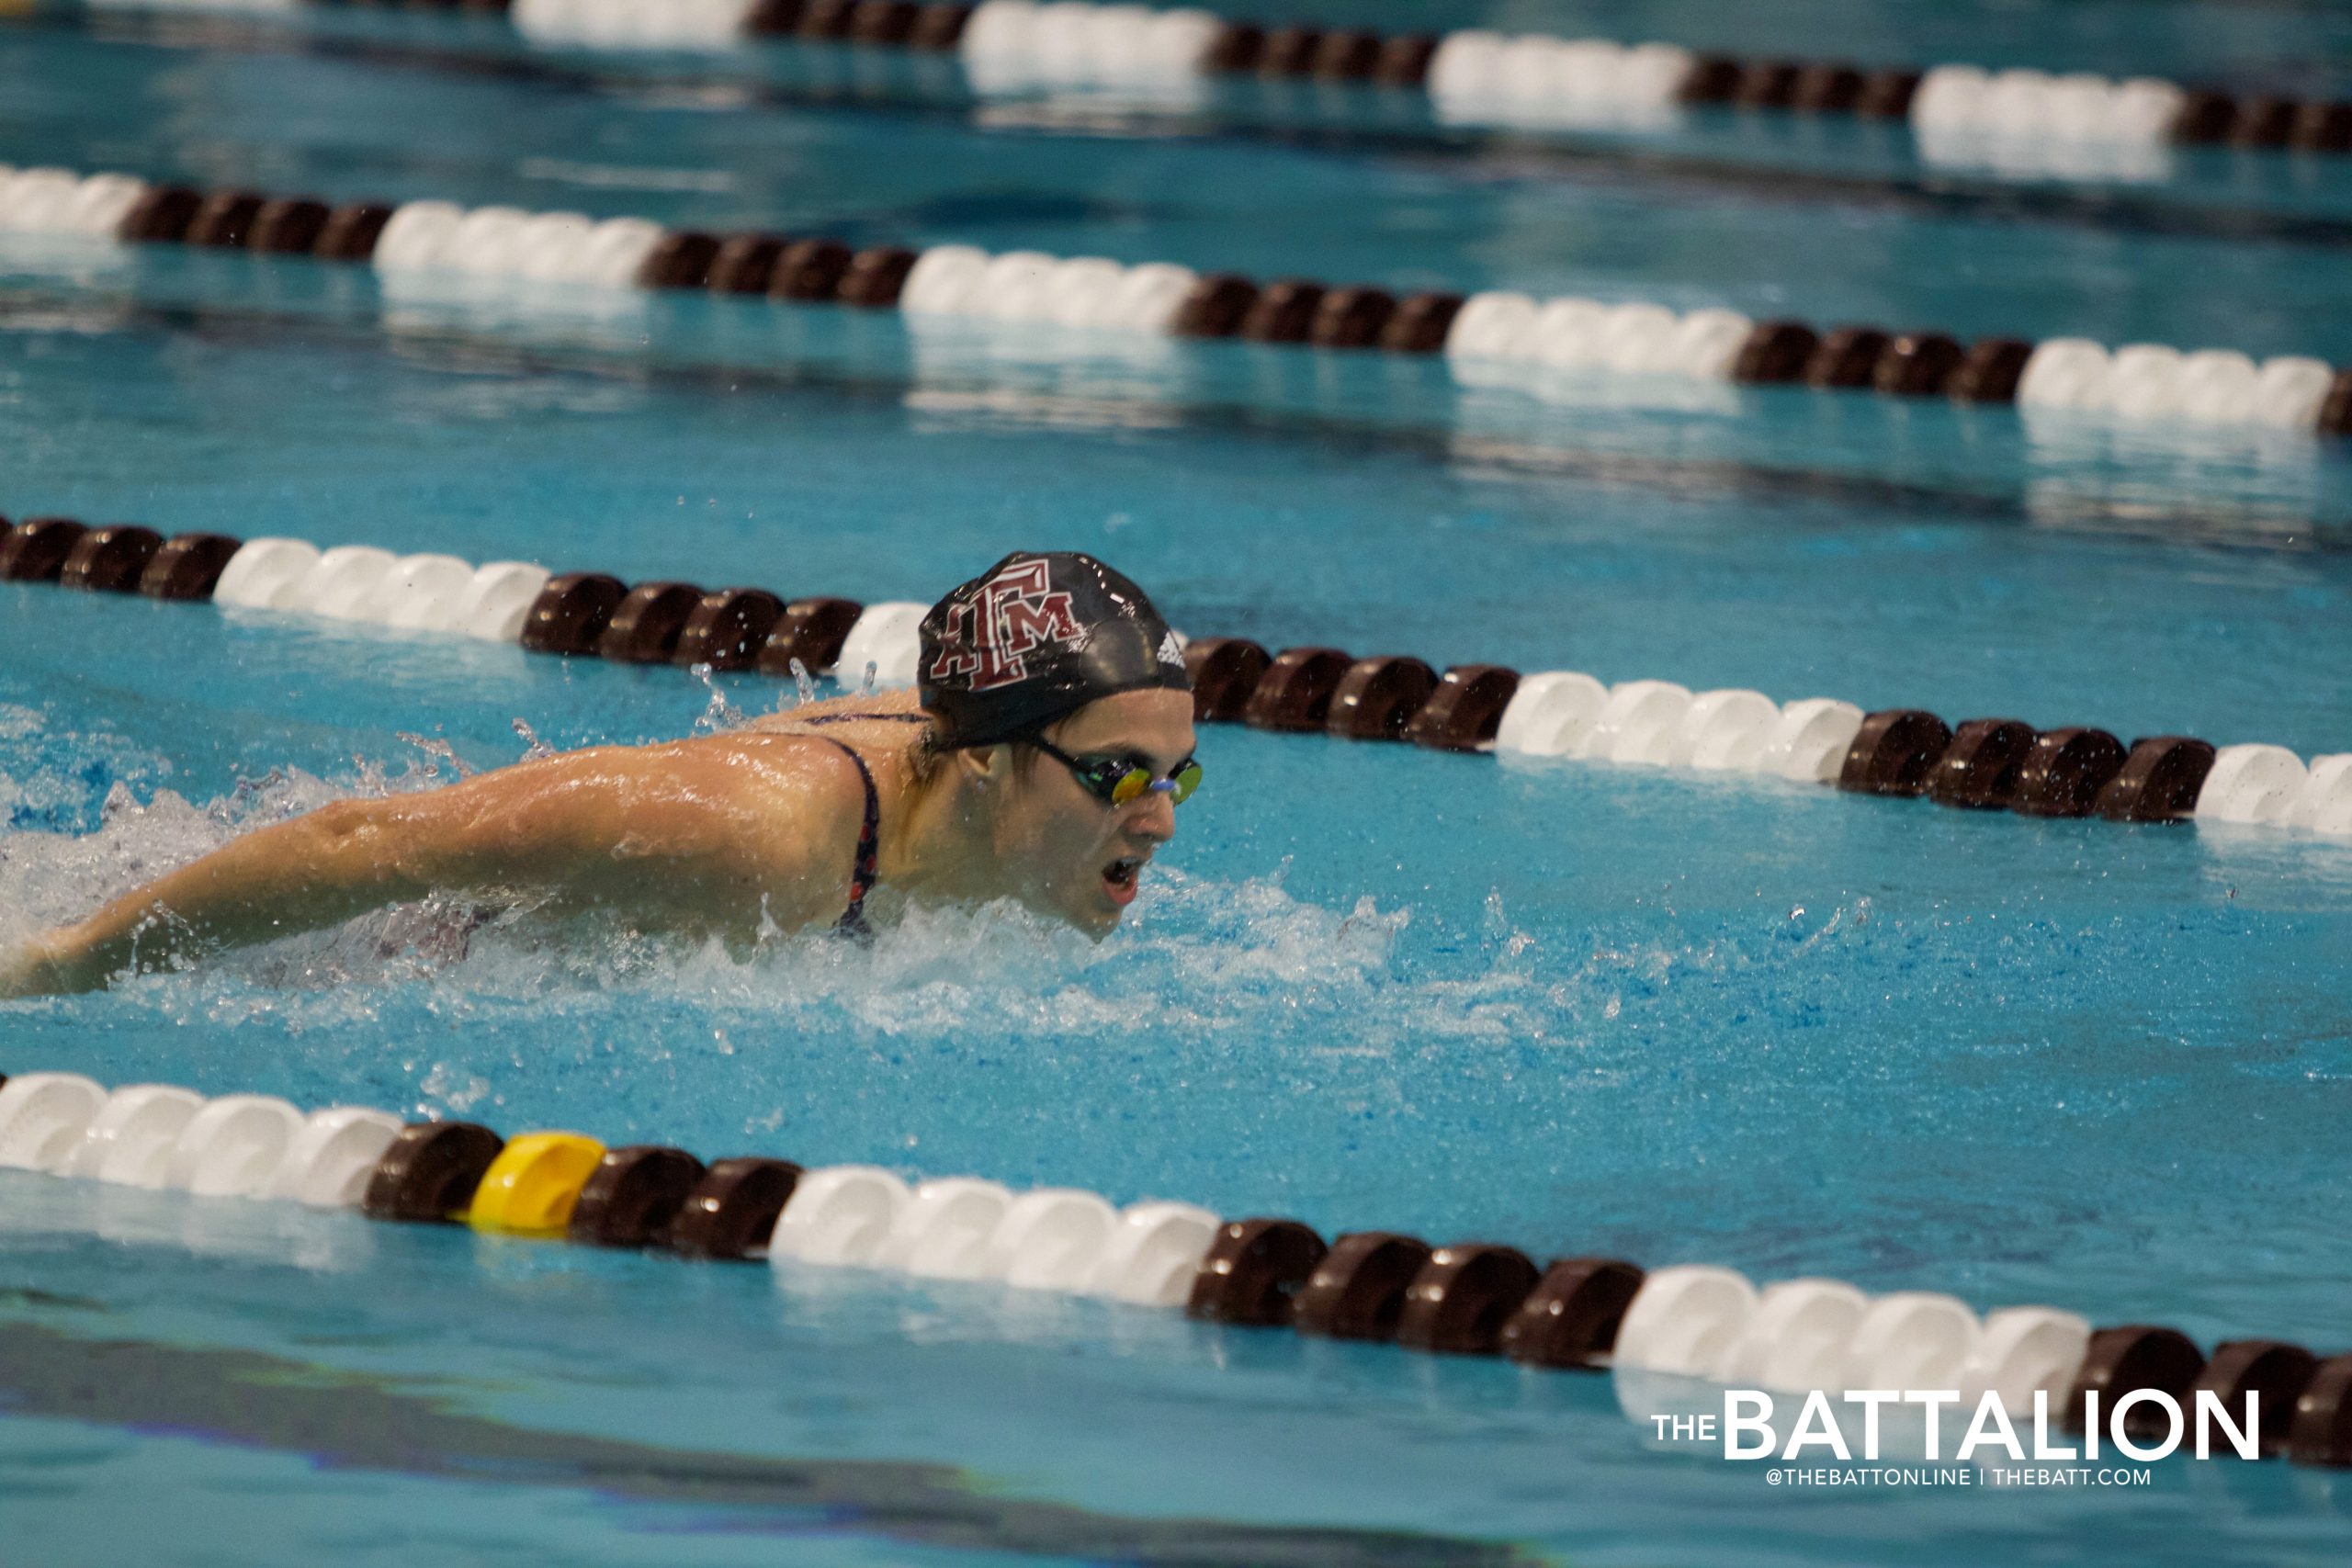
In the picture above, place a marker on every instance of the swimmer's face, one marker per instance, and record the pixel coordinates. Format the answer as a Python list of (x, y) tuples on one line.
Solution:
[(1072, 855)]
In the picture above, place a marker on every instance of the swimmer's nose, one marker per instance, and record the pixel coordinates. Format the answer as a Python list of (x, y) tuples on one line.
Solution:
[(1154, 817)]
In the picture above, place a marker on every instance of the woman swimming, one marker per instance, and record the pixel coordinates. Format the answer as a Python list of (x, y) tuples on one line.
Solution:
[(1040, 757)]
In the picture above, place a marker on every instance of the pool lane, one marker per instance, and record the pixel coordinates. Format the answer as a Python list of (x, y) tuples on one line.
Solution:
[(1573, 1008), (513, 1367), (2212, 192), (2271, 44), (1570, 1006), (341, 1422), (1809, 546), (347, 129)]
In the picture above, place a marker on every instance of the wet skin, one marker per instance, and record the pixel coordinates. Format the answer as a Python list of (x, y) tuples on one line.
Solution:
[(731, 835)]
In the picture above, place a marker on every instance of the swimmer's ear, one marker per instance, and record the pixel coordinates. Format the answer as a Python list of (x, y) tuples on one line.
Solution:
[(985, 765)]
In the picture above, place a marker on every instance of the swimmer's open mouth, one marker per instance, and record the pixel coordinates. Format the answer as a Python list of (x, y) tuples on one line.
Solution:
[(1119, 877)]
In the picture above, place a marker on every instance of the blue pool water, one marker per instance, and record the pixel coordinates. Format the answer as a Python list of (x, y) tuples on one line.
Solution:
[(1899, 248), (1576, 1007)]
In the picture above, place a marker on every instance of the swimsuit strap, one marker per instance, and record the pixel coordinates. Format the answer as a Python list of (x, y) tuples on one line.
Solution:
[(869, 846), (855, 717)]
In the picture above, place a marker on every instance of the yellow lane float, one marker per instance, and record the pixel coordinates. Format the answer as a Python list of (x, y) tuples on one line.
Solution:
[(530, 1188)]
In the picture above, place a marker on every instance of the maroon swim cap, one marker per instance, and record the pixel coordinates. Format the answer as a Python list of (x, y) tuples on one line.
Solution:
[(1034, 639)]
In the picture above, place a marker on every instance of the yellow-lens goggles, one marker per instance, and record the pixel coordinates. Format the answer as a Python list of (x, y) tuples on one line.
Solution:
[(1131, 784), (1116, 781)]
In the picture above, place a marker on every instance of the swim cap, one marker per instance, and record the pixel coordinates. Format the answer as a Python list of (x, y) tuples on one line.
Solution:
[(1036, 638)]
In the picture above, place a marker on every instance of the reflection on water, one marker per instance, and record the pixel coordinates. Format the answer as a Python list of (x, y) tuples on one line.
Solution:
[(1596, 388), (76, 259), (2190, 480), (2246, 485), (441, 302), (2045, 156), (33, 1206)]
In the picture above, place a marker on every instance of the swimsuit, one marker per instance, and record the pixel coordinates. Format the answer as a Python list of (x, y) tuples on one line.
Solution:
[(869, 834)]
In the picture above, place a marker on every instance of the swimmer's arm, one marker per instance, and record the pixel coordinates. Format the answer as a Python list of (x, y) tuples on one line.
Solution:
[(292, 876), (709, 830)]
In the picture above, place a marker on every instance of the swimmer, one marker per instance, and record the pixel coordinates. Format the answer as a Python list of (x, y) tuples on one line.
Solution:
[(1040, 757)]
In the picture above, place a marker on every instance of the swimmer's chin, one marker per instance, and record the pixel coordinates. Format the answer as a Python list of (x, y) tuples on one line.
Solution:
[(1094, 922), (1095, 917)]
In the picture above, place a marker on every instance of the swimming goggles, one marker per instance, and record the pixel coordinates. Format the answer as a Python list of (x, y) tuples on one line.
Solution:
[(1115, 781)]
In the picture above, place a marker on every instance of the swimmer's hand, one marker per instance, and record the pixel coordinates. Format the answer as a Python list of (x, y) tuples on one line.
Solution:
[(38, 968)]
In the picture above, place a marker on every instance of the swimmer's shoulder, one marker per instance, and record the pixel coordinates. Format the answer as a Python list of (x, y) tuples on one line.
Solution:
[(834, 745), (893, 718)]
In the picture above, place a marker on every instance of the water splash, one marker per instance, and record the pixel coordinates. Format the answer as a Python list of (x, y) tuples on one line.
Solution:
[(719, 714), (534, 748), (872, 675), (49, 877), (56, 775), (440, 751), (1196, 954), (803, 684), (1244, 963)]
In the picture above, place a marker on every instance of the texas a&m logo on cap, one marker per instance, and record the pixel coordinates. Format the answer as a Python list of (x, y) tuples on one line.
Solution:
[(1013, 613)]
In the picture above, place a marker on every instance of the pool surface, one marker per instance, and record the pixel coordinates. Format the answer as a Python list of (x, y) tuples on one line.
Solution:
[(1577, 1008)]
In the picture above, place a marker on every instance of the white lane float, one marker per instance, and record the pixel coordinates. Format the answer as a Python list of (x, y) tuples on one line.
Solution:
[(942, 279), (1550, 712), (342, 583), (614, 251), (357, 582), (512, 244), (1911, 1339), (840, 1215), (264, 574), (2252, 784), (1481, 77), (1578, 334), (1034, 287), (2325, 803), (2156, 381), (129, 1141), (1685, 1319), (232, 1147), (416, 236), (1797, 1337), (1051, 1239), (59, 202), (327, 1163), (1723, 730), (2022, 1351), (943, 1232), (43, 1117), (1153, 1253), (1015, 45), (497, 599), (887, 637), (1631, 726), (1811, 740), (420, 593)]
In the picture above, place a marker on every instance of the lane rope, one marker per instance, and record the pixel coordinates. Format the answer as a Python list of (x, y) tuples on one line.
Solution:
[(2019, 120), (1980, 765), (1470, 1298), (1496, 337)]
